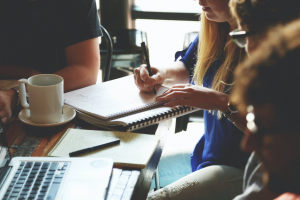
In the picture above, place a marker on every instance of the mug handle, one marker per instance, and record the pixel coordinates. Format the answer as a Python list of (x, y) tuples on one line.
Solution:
[(22, 89)]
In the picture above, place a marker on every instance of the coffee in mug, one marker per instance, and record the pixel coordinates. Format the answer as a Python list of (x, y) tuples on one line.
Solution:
[(45, 94)]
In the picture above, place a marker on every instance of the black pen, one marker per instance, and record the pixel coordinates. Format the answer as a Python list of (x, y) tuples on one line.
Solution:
[(94, 148), (146, 58)]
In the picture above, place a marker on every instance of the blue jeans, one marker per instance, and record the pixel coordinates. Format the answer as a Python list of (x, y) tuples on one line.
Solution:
[(175, 161), (175, 174), (217, 182)]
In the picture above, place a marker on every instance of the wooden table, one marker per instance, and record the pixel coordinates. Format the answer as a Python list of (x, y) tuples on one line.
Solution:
[(25, 140)]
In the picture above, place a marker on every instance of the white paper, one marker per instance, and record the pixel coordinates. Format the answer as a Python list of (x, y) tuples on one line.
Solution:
[(105, 99)]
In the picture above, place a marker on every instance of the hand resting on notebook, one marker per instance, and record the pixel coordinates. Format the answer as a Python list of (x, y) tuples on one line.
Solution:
[(195, 96)]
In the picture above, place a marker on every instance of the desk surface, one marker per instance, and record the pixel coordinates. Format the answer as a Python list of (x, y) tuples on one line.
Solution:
[(25, 140)]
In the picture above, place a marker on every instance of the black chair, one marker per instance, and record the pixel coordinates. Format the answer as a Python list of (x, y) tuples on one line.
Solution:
[(109, 44), (127, 51), (188, 38)]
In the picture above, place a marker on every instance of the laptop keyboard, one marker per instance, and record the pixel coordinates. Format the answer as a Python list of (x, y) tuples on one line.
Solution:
[(36, 181), (122, 184)]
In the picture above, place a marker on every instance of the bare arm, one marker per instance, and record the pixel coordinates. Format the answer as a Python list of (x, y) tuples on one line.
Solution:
[(83, 63), (16, 72), (201, 97), (176, 74)]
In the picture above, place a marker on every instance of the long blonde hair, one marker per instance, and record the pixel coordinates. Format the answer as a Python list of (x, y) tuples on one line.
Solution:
[(212, 44)]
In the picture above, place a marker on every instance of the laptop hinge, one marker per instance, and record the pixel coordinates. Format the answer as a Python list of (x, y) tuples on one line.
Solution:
[(3, 175)]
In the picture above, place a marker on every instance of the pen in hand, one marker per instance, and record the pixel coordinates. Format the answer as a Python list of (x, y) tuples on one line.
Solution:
[(146, 58), (94, 148)]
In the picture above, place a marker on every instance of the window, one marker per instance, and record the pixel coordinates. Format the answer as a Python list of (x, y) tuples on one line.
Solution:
[(190, 6), (165, 37), (166, 9)]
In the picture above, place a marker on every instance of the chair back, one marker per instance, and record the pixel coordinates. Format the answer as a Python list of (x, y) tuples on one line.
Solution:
[(188, 38), (127, 51), (109, 45)]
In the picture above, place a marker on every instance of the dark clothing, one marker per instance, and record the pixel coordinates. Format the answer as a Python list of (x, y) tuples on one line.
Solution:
[(34, 34), (220, 144)]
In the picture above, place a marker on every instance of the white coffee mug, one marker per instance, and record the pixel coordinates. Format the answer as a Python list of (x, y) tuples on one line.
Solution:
[(45, 93)]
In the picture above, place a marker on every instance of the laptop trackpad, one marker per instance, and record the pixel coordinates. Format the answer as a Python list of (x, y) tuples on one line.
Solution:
[(81, 189)]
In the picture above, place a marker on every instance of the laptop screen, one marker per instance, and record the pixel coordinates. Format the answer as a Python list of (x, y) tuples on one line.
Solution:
[(4, 152)]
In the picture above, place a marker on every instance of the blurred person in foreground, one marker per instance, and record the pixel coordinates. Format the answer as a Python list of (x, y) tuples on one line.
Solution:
[(267, 92)]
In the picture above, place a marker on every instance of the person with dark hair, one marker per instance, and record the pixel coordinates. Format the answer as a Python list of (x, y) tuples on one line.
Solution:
[(47, 36), (256, 17), (267, 91)]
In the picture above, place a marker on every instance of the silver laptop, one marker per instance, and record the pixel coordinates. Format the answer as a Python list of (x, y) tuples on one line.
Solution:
[(48, 178)]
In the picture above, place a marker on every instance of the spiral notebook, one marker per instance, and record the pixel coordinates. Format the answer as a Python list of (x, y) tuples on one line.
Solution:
[(119, 105)]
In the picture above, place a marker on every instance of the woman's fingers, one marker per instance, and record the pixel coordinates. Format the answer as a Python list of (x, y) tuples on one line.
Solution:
[(144, 74), (139, 82), (146, 83), (156, 79), (150, 81), (171, 96), (175, 90), (181, 86)]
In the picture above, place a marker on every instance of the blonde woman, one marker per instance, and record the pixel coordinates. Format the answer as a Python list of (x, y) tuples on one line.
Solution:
[(215, 169)]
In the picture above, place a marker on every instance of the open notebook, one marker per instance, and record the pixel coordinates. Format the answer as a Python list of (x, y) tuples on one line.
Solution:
[(135, 149), (120, 104)]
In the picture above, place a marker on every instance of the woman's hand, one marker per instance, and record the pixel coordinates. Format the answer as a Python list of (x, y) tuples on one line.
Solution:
[(146, 83), (195, 96)]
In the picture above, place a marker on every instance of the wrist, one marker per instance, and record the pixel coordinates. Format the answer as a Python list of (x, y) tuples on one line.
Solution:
[(223, 102), (164, 74), (231, 110), (12, 93), (16, 103)]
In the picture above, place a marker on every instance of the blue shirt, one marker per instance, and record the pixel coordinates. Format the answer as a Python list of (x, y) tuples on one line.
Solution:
[(220, 144)]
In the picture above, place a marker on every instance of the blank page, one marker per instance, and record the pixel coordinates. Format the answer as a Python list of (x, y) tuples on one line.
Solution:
[(134, 150), (109, 98)]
